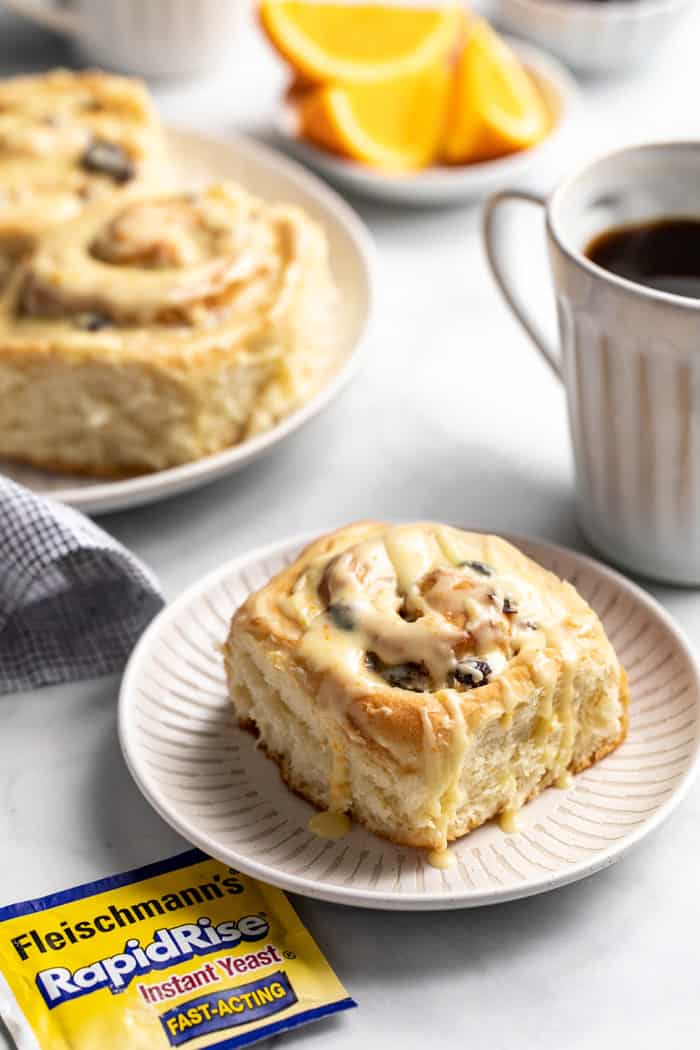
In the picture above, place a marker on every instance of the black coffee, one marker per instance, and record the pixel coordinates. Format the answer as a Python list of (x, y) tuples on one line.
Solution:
[(664, 254)]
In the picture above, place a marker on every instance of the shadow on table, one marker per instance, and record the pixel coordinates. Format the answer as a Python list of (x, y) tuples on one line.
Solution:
[(394, 945), (5, 1037), (126, 828), (423, 472)]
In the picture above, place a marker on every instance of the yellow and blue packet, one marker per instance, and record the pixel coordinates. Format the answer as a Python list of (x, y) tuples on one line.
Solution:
[(183, 953)]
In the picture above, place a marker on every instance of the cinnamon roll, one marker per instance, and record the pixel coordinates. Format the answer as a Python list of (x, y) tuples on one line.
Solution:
[(423, 679), (151, 331), (66, 140)]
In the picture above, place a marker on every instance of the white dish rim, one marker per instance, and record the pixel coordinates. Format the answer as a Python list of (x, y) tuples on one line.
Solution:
[(410, 901), (611, 11)]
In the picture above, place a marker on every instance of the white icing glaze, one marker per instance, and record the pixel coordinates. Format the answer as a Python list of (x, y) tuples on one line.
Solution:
[(509, 821), (330, 825), (423, 604), (441, 859), (187, 259), (47, 124)]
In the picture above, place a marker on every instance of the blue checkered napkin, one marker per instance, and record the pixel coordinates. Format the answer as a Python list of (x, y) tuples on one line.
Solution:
[(73, 601)]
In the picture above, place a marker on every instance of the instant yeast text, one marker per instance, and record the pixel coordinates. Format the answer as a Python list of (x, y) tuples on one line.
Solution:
[(186, 951)]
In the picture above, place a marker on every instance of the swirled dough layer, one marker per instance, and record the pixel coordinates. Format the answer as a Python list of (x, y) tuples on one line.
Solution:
[(151, 331), (66, 140)]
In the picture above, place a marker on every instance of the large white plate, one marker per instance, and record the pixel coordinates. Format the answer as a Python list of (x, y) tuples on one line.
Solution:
[(207, 778), (198, 159), (450, 185)]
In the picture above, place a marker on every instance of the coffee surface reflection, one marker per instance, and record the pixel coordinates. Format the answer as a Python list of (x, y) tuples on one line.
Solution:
[(664, 254)]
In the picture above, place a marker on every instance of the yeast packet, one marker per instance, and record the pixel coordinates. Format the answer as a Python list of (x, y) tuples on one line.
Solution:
[(186, 952)]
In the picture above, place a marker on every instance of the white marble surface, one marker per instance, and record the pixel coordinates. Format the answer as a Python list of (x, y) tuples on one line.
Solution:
[(454, 417)]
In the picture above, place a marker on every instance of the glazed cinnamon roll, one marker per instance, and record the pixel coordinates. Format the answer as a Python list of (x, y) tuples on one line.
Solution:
[(151, 331), (66, 140), (423, 679)]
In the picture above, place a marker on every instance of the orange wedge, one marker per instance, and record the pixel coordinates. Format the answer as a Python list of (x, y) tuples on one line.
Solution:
[(327, 42), (496, 108), (395, 124)]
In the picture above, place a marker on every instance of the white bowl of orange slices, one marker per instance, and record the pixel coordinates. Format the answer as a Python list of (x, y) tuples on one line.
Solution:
[(412, 104)]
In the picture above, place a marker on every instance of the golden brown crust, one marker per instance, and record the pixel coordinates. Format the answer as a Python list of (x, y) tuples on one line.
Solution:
[(423, 841), (49, 122), (390, 714), (79, 470), (429, 596)]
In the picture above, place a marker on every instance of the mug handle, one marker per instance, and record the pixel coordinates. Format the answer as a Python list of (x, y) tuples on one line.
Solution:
[(63, 21), (494, 251)]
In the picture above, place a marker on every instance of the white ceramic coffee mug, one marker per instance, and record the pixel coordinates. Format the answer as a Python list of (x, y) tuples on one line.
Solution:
[(629, 359), (144, 37)]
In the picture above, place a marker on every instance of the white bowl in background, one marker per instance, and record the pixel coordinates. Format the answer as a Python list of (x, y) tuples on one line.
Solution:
[(591, 37), (148, 38), (443, 184)]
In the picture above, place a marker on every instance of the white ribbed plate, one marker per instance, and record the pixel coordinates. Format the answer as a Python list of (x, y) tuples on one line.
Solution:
[(207, 778)]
